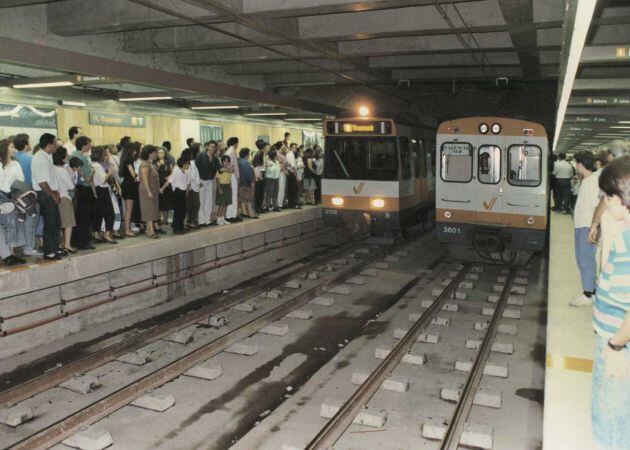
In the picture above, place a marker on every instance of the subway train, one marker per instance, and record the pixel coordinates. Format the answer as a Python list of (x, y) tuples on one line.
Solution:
[(492, 188), (378, 175)]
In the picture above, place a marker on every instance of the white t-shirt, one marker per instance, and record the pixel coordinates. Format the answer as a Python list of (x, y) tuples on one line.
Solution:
[(43, 170), (100, 176), (10, 174), (179, 178), (587, 201), (70, 147), (272, 170), (64, 178), (563, 170)]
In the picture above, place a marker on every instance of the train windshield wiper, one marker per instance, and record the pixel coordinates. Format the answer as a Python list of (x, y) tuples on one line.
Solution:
[(341, 164)]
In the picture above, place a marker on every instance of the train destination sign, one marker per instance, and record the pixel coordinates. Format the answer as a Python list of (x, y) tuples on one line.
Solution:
[(456, 149), (365, 127)]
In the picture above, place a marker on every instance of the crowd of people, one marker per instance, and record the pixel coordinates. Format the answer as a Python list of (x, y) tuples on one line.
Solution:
[(601, 217), (58, 198)]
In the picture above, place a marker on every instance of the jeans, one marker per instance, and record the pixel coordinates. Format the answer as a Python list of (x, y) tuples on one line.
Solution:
[(49, 211), (585, 257), (30, 227), (206, 201)]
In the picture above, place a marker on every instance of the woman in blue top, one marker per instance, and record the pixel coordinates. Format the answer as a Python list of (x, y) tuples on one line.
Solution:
[(611, 366)]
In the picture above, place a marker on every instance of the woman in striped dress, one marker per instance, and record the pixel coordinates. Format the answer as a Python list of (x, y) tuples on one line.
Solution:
[(611, 366)]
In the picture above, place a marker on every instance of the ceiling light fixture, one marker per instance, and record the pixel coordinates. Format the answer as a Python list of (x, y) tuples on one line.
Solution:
[(144, 99), (304, 119), (46, 84), (215, 107), (72, 103), (266, 114)]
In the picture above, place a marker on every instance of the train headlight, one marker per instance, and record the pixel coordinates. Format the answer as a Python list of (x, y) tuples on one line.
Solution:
[(378, 203), (496, 128), (337, 201), (483, 128)]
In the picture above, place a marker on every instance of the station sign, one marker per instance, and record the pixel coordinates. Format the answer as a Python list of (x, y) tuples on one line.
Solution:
[(602, 100), (457, 148), (116, 120), (27, 116)]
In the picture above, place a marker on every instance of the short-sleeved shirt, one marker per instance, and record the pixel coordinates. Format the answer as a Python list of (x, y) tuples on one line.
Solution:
[(272, 169), (84, 180), (100, 176), (25, 161), (612, 300), (563, 170), (587, 201), (231, 152), (179, 179), (64, 178), (9, 174), (246, 171), (225, 177), (43, 171)]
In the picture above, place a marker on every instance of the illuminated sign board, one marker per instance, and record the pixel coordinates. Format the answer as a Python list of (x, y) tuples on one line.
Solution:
[(456, 149), (365, 127)]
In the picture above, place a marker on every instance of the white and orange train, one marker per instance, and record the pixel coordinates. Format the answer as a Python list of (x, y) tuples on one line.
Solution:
[(492, 188), (377, 172)]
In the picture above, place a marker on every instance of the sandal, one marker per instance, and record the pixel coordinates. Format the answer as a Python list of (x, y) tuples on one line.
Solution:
[(68, 250), (110, 241), (131, 234), (154, 236)]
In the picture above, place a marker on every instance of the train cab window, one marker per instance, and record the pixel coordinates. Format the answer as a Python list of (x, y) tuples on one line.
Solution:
[(359, 158), (489, 164), (456, 162), (405, 158), (419, 161), (524, 165)]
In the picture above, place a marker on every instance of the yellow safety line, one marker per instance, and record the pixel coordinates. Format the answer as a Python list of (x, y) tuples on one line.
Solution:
[(570, 363)]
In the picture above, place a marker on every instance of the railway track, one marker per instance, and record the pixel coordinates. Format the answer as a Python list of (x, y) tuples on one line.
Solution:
[(445, 398), (94, 406)]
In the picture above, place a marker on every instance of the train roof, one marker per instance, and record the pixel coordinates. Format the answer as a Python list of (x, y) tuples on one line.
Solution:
[(509, 126)]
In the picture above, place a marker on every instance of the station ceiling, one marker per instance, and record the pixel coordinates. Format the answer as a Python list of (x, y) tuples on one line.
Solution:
[(426, 60)]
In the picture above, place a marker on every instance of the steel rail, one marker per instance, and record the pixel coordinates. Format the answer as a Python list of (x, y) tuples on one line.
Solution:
[(336, 426), (101, 408), (53, 378), (456, 424)]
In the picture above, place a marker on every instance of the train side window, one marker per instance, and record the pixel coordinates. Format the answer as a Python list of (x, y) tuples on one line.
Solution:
[(456, 162), (524, 165), (405, 158), (489, 164)]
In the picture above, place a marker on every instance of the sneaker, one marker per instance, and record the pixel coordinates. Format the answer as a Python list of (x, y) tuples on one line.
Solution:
[(582, 300)]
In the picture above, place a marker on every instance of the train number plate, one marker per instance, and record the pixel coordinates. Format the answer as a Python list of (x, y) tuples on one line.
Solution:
[(451, 230), (331, 212)]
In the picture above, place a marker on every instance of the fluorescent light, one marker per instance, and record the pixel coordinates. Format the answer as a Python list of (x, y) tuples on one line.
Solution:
[(216, 107), (622, 128), (305, 119), (144, 99), (43, 84), (266, 114), (624, 121), (72, 103)]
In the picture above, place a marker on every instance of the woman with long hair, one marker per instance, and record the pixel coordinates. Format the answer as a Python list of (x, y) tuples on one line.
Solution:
[(10, 172), (127, 172), (66, 190), (165, 169)]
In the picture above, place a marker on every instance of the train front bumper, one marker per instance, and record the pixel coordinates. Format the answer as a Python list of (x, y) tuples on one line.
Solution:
[(491, 238)]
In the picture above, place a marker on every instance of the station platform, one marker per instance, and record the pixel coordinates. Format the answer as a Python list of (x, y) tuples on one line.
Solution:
[(41, 303), (570, 347)]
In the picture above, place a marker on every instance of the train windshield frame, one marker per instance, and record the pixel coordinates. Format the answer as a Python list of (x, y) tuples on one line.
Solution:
[(527, 164), (361, 158)]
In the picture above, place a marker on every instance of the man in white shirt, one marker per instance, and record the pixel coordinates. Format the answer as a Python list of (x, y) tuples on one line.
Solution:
[(47, 187), (587, 201), (563, 171), (232, 152), (73, 133), (292, 186)]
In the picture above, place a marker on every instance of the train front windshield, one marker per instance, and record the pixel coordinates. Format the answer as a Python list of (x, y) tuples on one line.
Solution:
[(361, 158)]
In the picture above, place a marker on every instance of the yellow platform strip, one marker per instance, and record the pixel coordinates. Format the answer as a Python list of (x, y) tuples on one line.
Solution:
[(570, 363)]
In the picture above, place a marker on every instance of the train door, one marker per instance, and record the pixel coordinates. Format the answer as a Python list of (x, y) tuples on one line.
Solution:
[(524, 191), (406, 188), (488, 188)]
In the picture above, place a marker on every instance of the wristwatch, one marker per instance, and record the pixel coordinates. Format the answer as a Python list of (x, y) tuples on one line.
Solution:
[(616, 348)]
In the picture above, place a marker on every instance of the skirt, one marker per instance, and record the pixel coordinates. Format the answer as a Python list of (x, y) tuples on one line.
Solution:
[(224, 196), (166, 199), (66, 212), (129, 190)]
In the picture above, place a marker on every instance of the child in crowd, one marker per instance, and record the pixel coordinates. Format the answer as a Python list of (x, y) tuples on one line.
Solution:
[(179, 181), (224, 189)]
